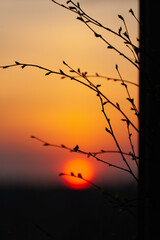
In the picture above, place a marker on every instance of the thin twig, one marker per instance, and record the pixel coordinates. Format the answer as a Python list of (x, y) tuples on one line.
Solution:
[(133, 14), (94, 87), (76, 149), (132, 146), (97, 75), (110, 131), (63, 74), (110, 46), (131, 100), (116, 152), (23, 65), (91, 20), (77, 10), (81, 177)]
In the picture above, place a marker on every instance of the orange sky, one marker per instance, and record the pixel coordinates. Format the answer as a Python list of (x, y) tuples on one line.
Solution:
[(57, 110)]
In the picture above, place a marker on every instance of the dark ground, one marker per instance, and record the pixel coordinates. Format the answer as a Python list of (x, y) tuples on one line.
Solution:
[(45, 214)]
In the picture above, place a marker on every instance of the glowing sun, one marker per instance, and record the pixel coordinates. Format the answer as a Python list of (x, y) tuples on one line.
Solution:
[(76, 171)]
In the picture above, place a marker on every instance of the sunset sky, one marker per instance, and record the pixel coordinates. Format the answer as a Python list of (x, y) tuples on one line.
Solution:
[(61, 111)]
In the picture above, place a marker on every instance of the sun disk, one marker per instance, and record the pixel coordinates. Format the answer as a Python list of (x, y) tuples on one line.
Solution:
[(75, 169)]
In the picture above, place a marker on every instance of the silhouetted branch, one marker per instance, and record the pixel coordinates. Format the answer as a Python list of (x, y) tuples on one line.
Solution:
[(113, 151), (79, 175), (87, 20), (101, 96), (23, 65), (122, 204), (89, 84), (97, 75), (77, 150), (132, 146), (132, 12), (83, 79), (48, 71), (97, 90), (131, 100), (111, 132)]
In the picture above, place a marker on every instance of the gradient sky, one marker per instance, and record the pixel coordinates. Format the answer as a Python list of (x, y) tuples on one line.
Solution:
[(58, 110)]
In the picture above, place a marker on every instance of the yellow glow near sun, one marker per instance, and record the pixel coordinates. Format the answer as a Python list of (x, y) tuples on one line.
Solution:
[(78, 166)]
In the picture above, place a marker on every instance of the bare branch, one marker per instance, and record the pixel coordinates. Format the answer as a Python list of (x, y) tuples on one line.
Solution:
[(115, 152), (89, 85), (111, 132), (83, 179), (131, 11), (97, 75), (131, 100), (86, 19), (88, 154)]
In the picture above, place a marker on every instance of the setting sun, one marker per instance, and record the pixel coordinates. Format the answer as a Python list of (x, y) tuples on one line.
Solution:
[(76, 171)]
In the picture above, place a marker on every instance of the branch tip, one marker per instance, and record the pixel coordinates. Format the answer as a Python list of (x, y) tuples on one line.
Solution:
[(79, 175), (120, 16), (61, 174)]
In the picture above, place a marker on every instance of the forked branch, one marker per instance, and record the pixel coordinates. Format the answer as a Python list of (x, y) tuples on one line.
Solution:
[(88, 154), (88, 83), (87, 20)]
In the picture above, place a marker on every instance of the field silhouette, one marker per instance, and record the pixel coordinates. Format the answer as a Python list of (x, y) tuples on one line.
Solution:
[(28, 213)]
